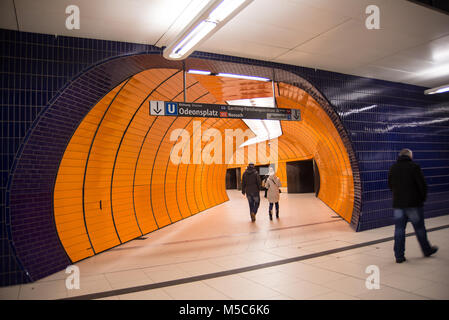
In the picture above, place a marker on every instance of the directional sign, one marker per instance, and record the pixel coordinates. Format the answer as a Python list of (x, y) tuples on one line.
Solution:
[(296, 114), (184, 109), (171, 108), (157, 108)]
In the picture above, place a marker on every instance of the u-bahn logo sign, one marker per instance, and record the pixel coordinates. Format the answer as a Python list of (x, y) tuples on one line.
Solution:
[(185, 109)]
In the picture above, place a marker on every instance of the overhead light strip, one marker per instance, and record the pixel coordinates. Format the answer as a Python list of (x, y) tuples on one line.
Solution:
[(228, 75), (214, 16), (203, 72), (240, 76), (440, 89)]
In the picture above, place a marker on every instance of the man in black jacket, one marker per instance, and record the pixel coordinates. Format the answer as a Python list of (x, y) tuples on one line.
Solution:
[(251, 187), (406, 180)]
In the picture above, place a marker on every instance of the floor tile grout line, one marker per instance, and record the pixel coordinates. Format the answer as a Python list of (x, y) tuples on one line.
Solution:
[(228, 236), (196, 260), (237, 270), (358, 278), (189, 261), (336, 290), (218, 290)]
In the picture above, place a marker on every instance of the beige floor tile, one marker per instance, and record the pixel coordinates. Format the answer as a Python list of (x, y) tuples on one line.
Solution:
[(413, 268), (109, 298), (223, 238), (435, 291), (334, 295), (367, 259), (382, 252), (351, 252), (279, 297), (9, 293), (258, 257), (344, 267), (49, 290), (194, 291), (288, 252), (195, 268), (388, 293), (231, 262), (91, 284), (348, 285), (272, 279), (325, 246), (300, 290), (155, 294), (440, 275), (166, 274), (126, 279), (239, 288), (318, 275), (318, 259), (404, 282)]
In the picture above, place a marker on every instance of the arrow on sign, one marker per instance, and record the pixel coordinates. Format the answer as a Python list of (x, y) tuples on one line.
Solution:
[(157, 108), (296, 115)]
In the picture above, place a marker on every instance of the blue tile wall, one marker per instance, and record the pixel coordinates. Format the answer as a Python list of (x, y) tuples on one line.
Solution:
[(33, 69), (381, 118), (40, 75)]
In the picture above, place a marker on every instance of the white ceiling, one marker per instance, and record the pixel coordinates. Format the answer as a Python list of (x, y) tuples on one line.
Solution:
[(411, 46)]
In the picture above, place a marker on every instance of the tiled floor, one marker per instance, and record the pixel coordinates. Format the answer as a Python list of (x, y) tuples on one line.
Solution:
[(223, 238)]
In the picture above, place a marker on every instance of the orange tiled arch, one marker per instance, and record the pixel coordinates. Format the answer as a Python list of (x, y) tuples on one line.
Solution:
[(116, 181)]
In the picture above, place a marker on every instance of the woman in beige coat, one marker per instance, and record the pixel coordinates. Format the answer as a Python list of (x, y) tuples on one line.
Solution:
[(273, 184)]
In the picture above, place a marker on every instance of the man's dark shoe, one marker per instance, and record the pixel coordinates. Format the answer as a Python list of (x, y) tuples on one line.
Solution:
[(253, 216), (400, 260), (432, 251)]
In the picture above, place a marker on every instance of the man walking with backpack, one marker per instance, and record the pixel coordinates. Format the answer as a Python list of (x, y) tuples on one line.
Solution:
[(406, 180), (251, 187)]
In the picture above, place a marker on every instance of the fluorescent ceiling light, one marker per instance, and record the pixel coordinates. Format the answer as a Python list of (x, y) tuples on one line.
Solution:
[(192, 39), (440, 89), (199, 72), (211, 18), (263, 129), (240, 76)]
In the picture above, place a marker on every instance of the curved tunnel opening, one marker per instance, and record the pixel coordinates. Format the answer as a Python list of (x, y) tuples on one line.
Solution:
[(116, 181)]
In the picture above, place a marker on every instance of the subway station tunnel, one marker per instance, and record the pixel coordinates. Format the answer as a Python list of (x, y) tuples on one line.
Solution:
[(87, 168)]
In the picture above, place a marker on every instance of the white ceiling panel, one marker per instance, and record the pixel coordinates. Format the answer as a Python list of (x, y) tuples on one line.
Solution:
[(133, 21), (7, 15), (404, 63), (415, 20), (412, 45), (353, 36), (288, 15), (347, 8), (223, 44), (381, 73), (434, 51), (318, 61), (267, 35)]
